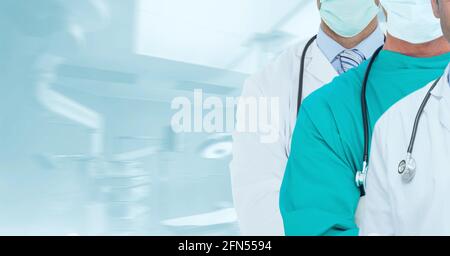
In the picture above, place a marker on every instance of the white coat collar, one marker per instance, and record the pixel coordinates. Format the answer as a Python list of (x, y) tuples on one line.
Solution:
[(441, 94), (439, 90), (318, 66)]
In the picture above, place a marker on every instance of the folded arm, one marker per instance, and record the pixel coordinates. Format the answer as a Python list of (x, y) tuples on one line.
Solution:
[(318, 194)]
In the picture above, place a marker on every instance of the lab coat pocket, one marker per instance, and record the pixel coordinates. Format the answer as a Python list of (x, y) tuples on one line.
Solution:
[(413, 199)]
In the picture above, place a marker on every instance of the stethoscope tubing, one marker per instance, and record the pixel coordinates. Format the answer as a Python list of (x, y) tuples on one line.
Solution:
[(364, 108), (302, 71), (419, 115)]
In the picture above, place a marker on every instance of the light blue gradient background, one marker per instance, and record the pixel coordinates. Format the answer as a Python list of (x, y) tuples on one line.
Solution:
[(86, 86)]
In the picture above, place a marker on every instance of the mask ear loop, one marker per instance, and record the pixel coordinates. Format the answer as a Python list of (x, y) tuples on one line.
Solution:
[(382, 18)]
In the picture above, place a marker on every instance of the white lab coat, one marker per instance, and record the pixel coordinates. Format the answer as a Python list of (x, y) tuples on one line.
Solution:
[(421, 207), (257, 169)]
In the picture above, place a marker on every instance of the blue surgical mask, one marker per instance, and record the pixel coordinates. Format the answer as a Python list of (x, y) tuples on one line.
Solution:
[(348, 18), (411, 20)]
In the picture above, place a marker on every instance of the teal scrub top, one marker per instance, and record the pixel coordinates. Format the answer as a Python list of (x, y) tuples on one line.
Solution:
[(318, 194)]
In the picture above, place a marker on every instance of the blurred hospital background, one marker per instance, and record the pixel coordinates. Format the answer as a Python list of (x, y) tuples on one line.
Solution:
[(86, 87)]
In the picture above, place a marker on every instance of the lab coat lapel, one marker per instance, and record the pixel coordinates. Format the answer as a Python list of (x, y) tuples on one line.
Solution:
[(444, 111), (319, 66), (441, 95)]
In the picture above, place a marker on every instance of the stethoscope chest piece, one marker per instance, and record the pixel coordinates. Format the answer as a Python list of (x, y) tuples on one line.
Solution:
[(361, 177), (407, 169)]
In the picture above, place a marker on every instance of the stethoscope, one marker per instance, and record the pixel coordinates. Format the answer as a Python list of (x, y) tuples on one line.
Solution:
[(361, 175), (407, 167)]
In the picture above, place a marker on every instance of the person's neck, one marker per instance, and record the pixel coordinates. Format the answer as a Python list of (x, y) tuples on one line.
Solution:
[(350, 42), (434, 48)]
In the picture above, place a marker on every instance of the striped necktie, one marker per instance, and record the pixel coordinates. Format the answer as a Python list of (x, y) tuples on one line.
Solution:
[(349, 59)]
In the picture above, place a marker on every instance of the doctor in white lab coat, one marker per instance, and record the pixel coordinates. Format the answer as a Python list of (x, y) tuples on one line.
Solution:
[(348, 35), (417, 204), (420, 206)]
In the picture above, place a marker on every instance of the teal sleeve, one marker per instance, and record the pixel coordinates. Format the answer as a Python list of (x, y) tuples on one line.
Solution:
[(318, 194)]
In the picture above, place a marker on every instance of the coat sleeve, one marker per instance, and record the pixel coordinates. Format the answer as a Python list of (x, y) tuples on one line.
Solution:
[(318, 195), (256, 174), (376, 218)]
